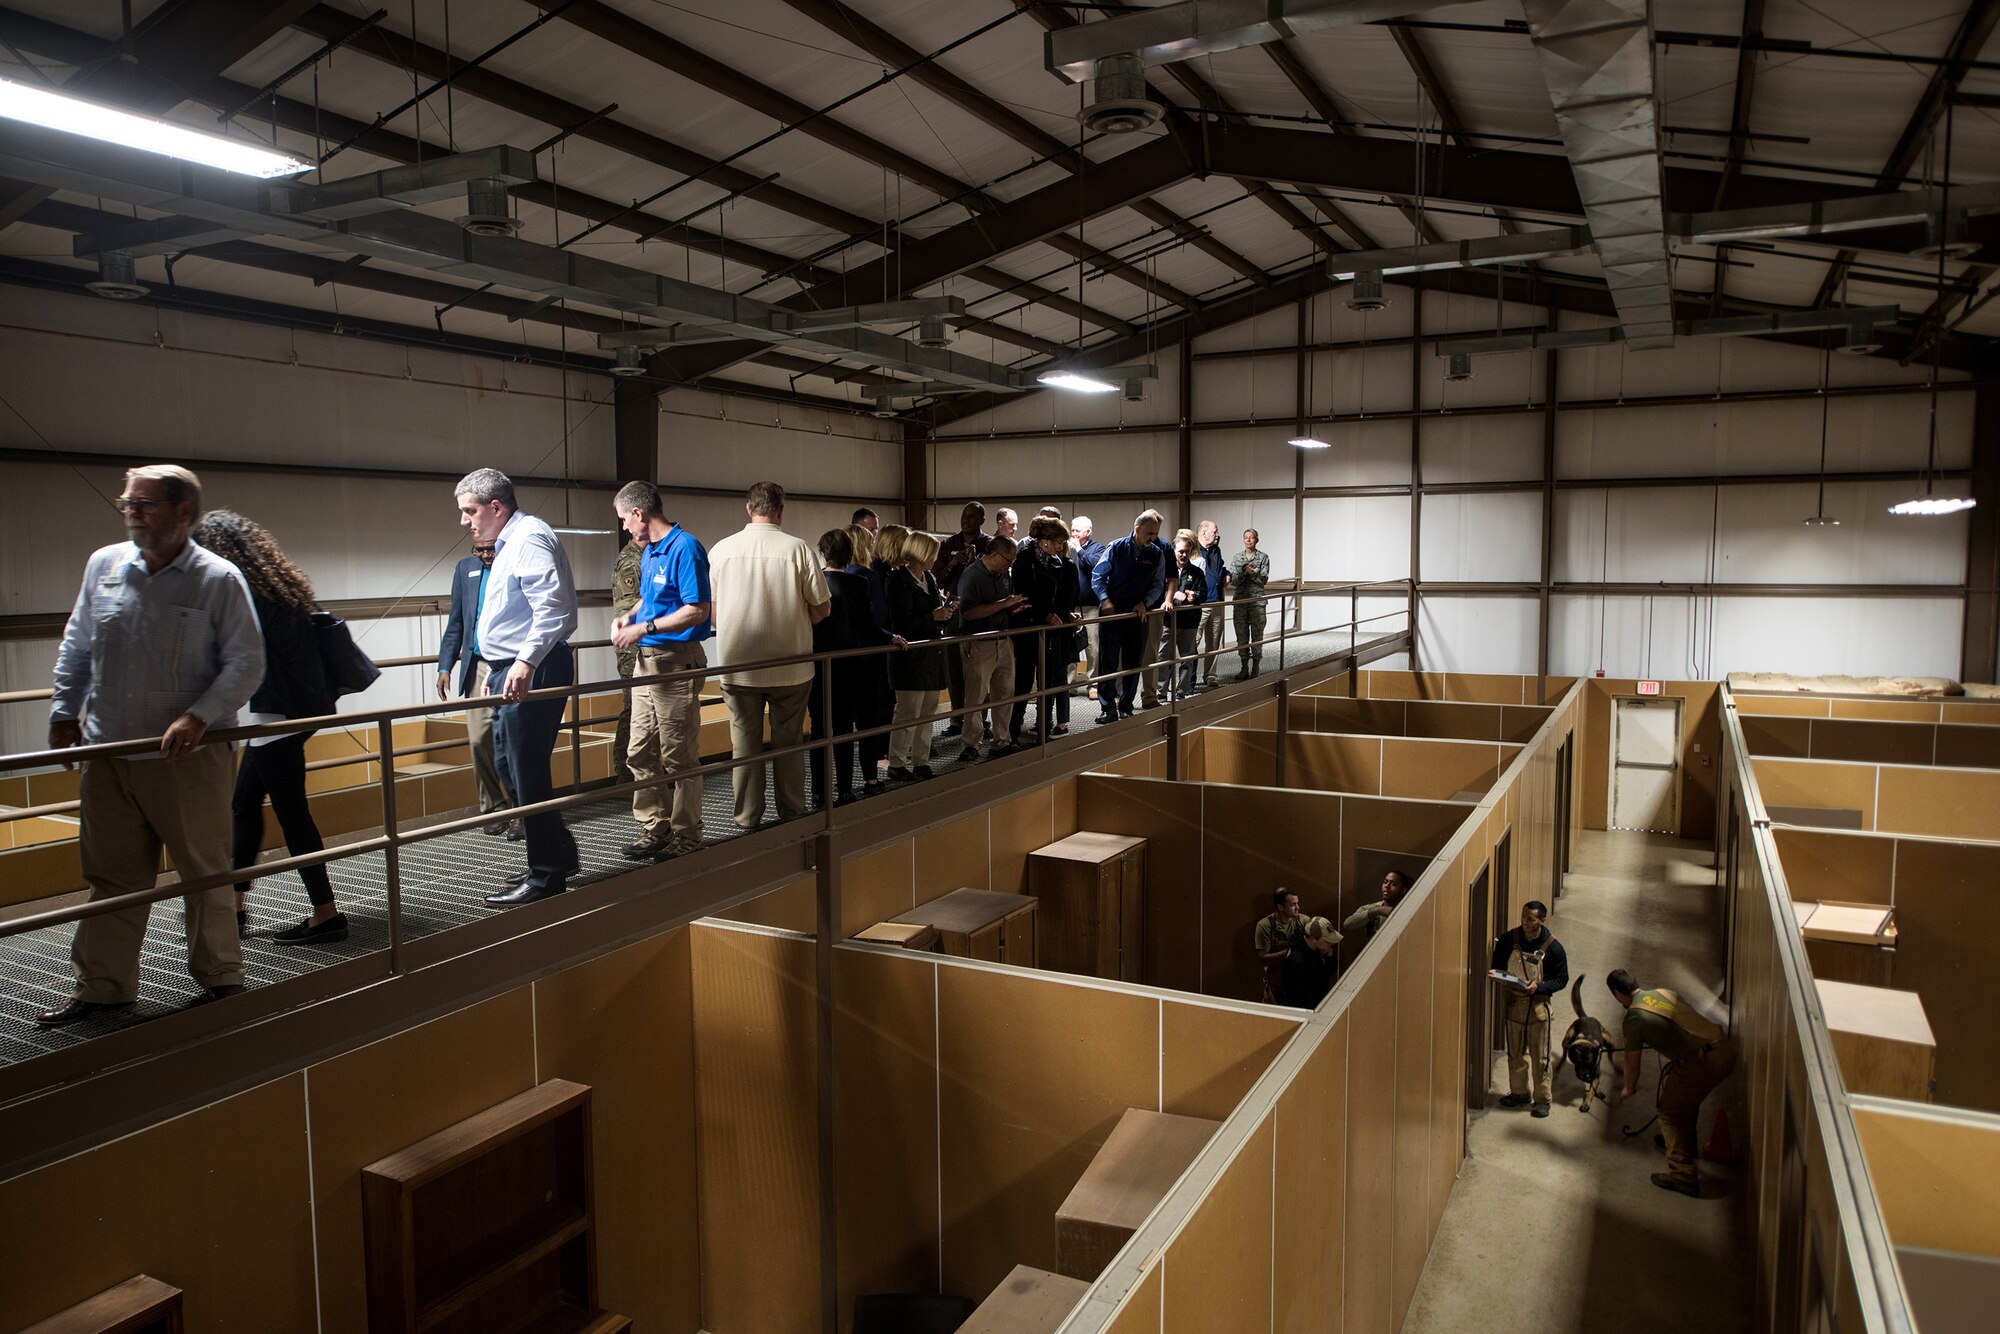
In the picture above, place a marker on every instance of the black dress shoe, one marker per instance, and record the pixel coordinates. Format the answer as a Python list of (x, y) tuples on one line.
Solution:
[(520, 894), (77, 1008), (517, 830), (211, 994), (497, 828), (333, 929), (519, 877)]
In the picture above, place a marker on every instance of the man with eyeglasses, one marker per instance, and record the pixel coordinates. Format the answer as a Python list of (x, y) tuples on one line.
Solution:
[(163, 642)]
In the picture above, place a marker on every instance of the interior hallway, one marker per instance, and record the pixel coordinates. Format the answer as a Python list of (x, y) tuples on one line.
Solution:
[(1553, 1226)]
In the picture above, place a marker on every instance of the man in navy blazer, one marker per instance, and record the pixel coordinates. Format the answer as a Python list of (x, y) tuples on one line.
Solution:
[(458, 650)]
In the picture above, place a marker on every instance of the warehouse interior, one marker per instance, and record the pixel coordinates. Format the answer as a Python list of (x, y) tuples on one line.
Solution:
[(1612, 385)]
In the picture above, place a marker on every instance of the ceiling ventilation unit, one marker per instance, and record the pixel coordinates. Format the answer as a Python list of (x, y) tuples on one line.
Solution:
[(1366, 294), (1119, 101), (116, 278), (489, 209), (931, 332), (630, 362)]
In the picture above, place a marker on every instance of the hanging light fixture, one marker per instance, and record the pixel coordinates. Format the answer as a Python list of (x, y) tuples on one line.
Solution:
[(1819, 518), (1303, 438), (57, 110), (1930, 504)]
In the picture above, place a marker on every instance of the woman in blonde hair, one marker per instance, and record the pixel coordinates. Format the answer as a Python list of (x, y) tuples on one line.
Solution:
[(917, 612), (295, 686)]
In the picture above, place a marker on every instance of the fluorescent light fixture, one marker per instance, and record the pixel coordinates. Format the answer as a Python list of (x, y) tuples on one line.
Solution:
[(72, 115), (1820, 521), (1931, 506), (584, 532), (1307, 442), (1081, 382)]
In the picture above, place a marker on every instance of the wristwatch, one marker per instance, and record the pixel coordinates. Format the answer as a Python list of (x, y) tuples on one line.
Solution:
[(652, 627)]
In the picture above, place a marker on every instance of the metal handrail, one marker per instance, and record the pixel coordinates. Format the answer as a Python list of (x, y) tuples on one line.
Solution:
[(393, 836)]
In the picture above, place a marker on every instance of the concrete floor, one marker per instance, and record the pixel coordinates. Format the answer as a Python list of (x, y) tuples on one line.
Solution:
[(1553, 1226)]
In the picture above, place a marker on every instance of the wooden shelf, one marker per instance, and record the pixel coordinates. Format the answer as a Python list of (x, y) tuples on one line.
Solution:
[(140, 1305), (979, 924), (488, 1225)]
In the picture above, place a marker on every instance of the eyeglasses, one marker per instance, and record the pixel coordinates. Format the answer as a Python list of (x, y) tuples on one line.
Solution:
[(137, 504)]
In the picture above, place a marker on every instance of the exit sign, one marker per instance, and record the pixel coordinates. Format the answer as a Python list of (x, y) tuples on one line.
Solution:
[(1649, 687)]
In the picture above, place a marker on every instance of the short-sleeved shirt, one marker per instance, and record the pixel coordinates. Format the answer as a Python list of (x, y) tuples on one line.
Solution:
[(978, 586), (1273, 931), (1249, 571), (673, 573), (1646, 1028), (764, 579)]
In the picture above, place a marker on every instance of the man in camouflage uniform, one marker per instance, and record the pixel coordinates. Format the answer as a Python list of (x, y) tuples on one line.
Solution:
[(624, 597), (1249, 571)]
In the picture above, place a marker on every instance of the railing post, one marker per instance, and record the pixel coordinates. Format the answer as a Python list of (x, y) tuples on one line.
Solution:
[(385, 752), (822, 758), (1284, 634), (1173, 747), (576, 744), (1043, 699)]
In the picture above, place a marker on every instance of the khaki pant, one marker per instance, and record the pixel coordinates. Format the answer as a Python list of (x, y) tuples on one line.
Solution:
[(130, 810), (621, 740), (1685, 1083), (1152, 629), (1528, 1045), (746, 737), (989, 677), (910, 743), (479, 738), (666, 737), (1211, 640)]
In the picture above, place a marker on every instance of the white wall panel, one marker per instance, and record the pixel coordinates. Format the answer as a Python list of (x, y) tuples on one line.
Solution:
[(731, 452), (1371, 379), (1702, 365), (1250, 388), (1370, 453), (1872, 433), (1350, 539), (1633, 534), (1240, 458), (1626, 636), (1677, 637), (1098, 464), (1487, 538), (1483, 449), (1503, 378), (1482, 634), (1764, 540)]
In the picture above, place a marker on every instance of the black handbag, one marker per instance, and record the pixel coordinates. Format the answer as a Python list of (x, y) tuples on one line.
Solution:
[(349, 671)]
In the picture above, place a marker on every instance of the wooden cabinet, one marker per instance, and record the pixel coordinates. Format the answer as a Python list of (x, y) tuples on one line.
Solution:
[(487, 1225), (140, 1305), (980, 924), (1881, 1039), (909, 935), (1138, 1165), (1092, 891)]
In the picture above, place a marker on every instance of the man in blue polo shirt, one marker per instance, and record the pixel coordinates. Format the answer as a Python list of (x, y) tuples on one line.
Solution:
[(666, 627), (1130, 576)]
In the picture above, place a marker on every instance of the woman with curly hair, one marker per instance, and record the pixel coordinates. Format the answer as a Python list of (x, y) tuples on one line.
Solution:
[(295, 686)]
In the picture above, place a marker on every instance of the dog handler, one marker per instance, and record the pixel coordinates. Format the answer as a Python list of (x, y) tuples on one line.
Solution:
[(1532, 953), (1699, 1056)]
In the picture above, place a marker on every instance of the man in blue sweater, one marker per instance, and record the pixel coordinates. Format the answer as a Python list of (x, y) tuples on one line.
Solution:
[(1130, 576)]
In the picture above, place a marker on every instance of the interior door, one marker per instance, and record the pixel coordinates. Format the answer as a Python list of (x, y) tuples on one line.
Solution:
[(1646, 765), (1478, 1030)]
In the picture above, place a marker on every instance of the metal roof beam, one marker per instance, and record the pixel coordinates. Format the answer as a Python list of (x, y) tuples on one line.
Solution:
[(1966, 43), (1172, 33)]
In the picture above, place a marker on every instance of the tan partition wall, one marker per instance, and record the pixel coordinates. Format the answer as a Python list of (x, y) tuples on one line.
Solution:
[(252, 1205), (1890, 798), (1417, 718), (1455, 687), (1954, 745), (1937, 1175), (968, 1100), (1947, 899), (1216, 852), (1982, 712)]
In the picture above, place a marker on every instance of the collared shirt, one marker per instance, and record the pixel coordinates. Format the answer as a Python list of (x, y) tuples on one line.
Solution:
[(141, 648), (978, 586), (673, 573), (1129, 573), (764, 581), (529, 602)]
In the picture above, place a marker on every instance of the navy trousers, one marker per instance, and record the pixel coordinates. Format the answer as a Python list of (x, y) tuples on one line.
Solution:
[(523, 737), (1120, 646)]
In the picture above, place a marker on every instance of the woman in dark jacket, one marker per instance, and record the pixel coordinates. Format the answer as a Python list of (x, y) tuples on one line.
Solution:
[(295, 686), (1046, 576), (917, 613), (873, 702), (849, 624)]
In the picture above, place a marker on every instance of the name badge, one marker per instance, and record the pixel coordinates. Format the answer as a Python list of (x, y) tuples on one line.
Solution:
[(660, 578), (475, 574)]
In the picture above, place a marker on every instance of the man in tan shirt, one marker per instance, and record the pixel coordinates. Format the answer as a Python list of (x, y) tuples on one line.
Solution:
[(769, 592)]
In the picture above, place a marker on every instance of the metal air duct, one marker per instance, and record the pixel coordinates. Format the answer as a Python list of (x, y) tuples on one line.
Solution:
[(1119, 101), (116, 278), (489, 209), (1597, 62), (1366, 294)]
